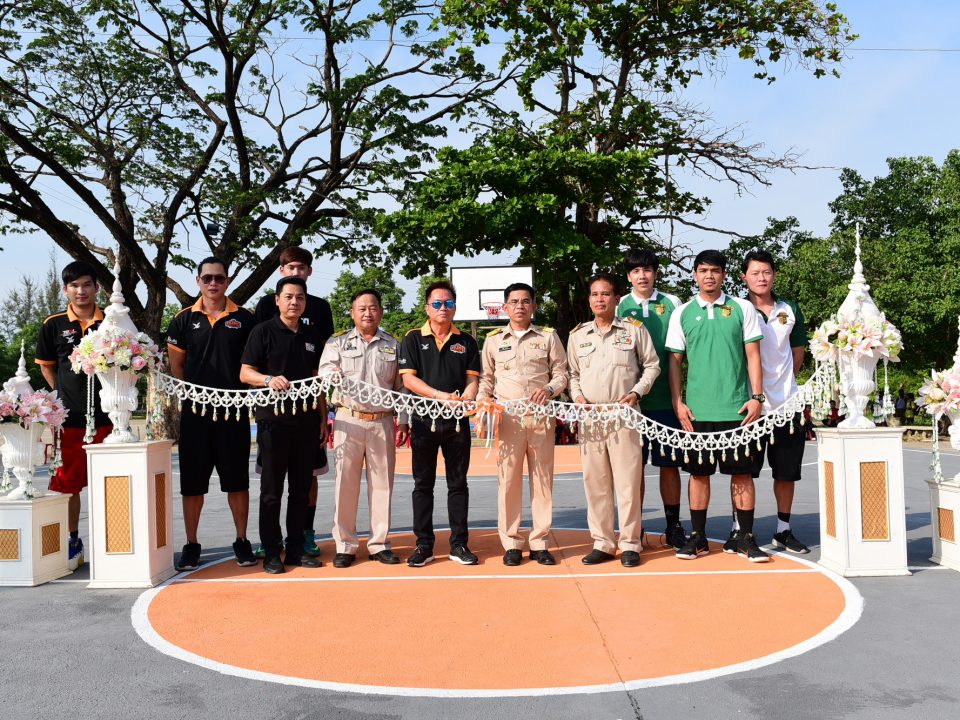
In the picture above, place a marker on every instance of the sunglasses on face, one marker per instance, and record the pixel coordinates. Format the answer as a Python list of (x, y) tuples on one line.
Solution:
[(218, 279), (449, 304)]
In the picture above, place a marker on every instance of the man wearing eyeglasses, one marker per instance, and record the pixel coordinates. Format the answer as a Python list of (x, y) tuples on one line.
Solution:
[(205, 343), (438, 361), (298, 262), (523, 362)]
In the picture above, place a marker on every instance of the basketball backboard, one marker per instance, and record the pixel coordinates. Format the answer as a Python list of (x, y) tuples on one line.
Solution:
[(478, 285)]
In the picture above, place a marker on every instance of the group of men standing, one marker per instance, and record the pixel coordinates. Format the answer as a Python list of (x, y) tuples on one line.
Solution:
[(740, 358)]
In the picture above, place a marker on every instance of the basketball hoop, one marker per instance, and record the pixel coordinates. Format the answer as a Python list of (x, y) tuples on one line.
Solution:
[(493, 310)]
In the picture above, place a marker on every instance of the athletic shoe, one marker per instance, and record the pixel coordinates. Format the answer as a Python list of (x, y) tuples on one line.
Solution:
[(543, 557), (189, 557), (675, 536), (462, 555), (630, 558), (243, 551), (303, 561), (273, 565), (309, 546), (696, 546), (343, 560), (260, 554), (512, 558), (730, 546), (75, 553), (596, 557), (421, 556), (747, 546), (788, 541), (387, 557)]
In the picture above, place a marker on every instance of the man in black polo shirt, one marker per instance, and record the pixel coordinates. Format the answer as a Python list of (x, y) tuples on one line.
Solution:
[(278, 351), (438, 361), (205, 342), (59, 335), (297, 262)]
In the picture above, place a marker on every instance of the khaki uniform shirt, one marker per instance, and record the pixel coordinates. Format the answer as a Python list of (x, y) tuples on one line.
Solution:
[(605, 367), (514, 367), (374, 362)]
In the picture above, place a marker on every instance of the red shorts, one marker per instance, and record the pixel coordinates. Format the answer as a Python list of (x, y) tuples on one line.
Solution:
[(71, 478)]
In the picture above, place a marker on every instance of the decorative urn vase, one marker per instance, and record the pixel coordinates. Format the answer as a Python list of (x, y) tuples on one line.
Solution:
[(118, 398)]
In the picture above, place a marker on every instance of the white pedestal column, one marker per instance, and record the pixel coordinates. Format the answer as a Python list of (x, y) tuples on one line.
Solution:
[(33, 539), (131, 514), (945, 522), (863, 524)]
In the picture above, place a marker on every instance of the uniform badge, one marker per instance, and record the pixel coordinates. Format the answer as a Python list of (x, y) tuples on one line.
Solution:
[(458, 349), (387, 350), (505, 348), (660, 308), (726, 310), (310, 347), (196, 326), (634, 321), (349, 346), (68, 333), (583, 345), (538, 346), (782, 317), (233, 324)]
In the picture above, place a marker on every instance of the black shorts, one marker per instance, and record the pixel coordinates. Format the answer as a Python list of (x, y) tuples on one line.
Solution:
[(207, 444), (785, 453), (662, 455), (700, 463), (320, 465)]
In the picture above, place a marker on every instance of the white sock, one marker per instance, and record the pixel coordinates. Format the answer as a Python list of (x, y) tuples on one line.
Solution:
[(736, 524), (782, 526)]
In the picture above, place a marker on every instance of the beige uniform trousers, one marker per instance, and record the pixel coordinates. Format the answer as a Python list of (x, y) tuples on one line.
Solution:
[(356, 441), (524, 437), (612, 461)]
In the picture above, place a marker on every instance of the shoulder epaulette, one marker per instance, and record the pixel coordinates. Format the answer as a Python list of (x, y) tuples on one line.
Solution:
[(55, 315), (578, 327), (632, 320), (495, 331), (547, 329), (342, 332)]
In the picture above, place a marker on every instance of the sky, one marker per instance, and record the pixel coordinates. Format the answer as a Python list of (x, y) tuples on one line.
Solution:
[(896, 97)]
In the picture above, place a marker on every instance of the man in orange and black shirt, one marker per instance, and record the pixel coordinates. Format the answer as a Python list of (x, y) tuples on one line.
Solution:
[(59, 335), (205, 342)]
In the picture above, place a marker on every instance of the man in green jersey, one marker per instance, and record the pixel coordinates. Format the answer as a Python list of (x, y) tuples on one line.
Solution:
[(719, 336), (652, 309)]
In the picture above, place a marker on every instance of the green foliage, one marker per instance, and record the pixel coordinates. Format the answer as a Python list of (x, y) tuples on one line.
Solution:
[(380, 279), (10, 354)]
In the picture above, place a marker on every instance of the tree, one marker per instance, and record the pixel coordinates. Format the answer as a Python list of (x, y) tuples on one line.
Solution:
[(597, 159), (781, 238), (31, 302), (241, 124), (376, 277)]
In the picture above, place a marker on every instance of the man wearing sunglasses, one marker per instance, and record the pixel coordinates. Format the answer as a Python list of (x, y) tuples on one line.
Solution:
[(438, 361), (523, 362), (205, 343), (298, 262)]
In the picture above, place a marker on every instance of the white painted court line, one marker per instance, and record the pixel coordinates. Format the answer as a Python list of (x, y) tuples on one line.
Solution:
[(853, 609)]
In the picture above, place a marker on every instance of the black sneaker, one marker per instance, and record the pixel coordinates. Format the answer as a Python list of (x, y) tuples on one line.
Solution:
[(421, 556), (788, 541), (243, 551), (542, 557), (630, 558), (747, 546), (512, 558), (462, 555), (387, 557), (303, 561), (189, 557), (730, 546), (675, 536), (273, 565), (696, 546)]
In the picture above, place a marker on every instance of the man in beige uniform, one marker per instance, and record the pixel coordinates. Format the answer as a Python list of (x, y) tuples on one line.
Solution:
[(363, 431), (612, 360), (523, 362)]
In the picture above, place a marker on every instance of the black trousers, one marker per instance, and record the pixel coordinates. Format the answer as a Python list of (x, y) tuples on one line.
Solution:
[(286, 449), (455, 446)]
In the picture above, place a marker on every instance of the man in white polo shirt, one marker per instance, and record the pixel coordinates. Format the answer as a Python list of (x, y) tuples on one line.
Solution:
[(719, 336), (781, 353)]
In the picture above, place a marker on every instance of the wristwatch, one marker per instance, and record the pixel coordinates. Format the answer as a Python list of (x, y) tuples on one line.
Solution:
[(759, 397), (266, 380)]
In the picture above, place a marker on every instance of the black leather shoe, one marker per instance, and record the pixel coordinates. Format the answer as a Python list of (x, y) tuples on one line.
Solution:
[(273, 565), (596, 557), (343, 560), (629, 558), (512, 558), (304, 561), (387, 557), (543, 557)]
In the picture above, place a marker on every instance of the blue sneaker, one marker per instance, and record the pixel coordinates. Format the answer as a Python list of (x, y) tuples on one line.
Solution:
[(75, 553), (309, 546), (260, 554)]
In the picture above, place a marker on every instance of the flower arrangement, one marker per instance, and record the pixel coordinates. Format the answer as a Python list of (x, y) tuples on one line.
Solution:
[(35, 406), (114, 347), (941, 392), (874, 337)]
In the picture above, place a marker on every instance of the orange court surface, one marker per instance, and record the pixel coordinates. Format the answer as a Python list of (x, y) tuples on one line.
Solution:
[(445, 629)]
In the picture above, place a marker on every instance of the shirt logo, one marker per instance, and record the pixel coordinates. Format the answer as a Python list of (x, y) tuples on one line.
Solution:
[(726, 310), (310, 347), (233, 324), (425, 346), (196, 326), (782, 317), (304, 320), (68, 333), (660, 308), (458, 349)]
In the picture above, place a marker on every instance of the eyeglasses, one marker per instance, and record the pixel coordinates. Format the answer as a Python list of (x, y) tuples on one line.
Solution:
[(218, 279), (524, 301), (449, 304)]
